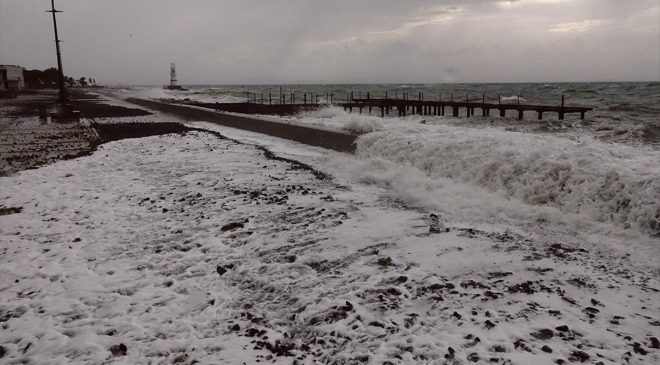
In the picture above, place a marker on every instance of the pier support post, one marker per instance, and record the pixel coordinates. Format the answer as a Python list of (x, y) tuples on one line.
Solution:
[(582, 115), (502, 112), (540, 114), (520, 114), (454, 111)]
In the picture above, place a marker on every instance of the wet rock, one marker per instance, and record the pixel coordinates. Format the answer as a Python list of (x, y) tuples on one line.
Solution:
[(591, 310), (498, 348), (235, 328), (473, 357), (520, 344), (17, 312), (580, 282), (547, 349), (655, 343), (346, 307), (580, 356), (473, 284), (450, 353), (568, 299), (232, 226), (10, 210), (376, 324), (221, 270), (543, 334), (637, 347), (401, 279), (435, 226), (435, 287), (385, 261), (562, 328), (562, 251), (118, 350), (525, 287), (180, 359), (3, 352), (498, 274), (492, 295)]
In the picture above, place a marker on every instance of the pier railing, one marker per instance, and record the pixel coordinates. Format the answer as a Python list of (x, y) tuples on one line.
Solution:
[(290, 102)]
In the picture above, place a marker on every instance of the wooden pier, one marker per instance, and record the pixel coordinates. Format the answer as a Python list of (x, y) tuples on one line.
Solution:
[(289, 103)]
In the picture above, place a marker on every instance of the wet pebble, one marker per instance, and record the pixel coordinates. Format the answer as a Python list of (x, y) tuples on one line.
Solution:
[(118, 350)]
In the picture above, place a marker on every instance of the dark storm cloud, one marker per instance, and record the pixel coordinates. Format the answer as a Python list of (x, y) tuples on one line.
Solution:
[(249, 41)]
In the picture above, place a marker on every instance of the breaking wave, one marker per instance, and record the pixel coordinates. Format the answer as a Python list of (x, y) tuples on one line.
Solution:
[(608, 183)]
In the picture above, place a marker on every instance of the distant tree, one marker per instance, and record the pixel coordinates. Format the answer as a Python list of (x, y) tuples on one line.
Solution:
[(49, 78), (37, 79)]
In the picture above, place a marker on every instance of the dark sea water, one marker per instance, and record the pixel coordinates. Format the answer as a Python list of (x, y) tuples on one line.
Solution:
[(623, 112)]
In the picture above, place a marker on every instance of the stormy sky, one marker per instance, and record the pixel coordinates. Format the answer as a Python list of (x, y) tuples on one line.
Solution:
[(339, 41)]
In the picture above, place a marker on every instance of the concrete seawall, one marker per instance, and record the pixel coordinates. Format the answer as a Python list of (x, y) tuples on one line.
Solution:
[(334, 140)]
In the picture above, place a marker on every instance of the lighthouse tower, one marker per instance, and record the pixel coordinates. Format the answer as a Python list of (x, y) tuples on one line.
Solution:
[(173, 82)]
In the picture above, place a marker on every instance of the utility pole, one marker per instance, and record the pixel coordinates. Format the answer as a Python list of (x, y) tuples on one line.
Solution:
[(62, 94)]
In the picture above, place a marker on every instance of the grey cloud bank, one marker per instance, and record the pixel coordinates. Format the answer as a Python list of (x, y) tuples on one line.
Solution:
[(297, 41)]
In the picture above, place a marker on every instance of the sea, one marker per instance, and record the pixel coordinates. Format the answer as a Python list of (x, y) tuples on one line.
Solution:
[(597, 175)]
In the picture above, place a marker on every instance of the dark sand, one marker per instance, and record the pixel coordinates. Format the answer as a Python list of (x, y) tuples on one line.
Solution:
[(26, 142)]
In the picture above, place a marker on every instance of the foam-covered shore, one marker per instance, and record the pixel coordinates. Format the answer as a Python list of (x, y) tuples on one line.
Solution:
[(603, 182), (198, 249), (581, 179)]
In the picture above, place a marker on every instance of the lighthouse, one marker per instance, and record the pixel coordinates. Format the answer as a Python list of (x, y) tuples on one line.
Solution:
[(173, 82)]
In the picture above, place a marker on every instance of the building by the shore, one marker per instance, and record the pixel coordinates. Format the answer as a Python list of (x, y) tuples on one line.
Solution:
[(12, 78)]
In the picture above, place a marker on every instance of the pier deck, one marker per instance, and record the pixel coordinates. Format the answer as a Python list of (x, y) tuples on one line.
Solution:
[(405, 107), (285, 104)]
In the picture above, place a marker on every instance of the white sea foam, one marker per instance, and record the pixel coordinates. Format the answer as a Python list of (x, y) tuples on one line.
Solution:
[(606, 182), (495, 174), (337, 118)]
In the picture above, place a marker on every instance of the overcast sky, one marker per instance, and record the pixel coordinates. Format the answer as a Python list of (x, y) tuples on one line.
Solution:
[(338, 41)]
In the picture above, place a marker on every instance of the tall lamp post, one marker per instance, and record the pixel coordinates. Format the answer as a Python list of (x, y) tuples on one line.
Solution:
[(62, 94)]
